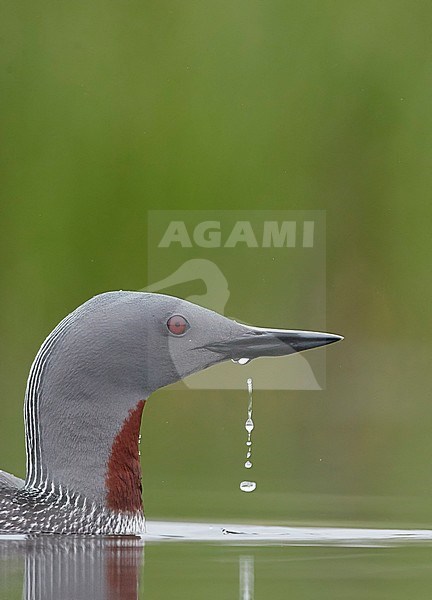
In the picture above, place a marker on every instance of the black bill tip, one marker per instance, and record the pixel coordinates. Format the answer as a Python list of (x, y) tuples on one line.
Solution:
[(253, 342), (306, 340)]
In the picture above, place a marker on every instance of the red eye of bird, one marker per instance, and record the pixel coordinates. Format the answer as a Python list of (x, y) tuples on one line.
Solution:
[(177, 325)]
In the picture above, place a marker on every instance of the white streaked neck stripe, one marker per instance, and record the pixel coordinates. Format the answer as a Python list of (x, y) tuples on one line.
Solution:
[(35, 476)]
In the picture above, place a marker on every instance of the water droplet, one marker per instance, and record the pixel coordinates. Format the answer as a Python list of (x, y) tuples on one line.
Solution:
[(248, 486), (241, 361), (249, 425)]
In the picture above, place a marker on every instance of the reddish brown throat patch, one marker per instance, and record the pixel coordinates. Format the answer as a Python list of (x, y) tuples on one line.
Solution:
[(123, 478)]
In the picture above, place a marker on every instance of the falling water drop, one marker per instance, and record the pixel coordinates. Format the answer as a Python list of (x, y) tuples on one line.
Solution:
[(249, 425), (249, 486)]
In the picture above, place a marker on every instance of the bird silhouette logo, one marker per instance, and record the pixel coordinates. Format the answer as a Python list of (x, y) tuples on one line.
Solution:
[(278, 373)]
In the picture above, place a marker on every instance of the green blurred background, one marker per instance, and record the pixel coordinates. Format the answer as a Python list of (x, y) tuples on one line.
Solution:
[(111, 109)]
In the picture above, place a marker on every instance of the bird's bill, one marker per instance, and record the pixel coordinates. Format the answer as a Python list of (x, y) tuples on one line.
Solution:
[(254, 342)]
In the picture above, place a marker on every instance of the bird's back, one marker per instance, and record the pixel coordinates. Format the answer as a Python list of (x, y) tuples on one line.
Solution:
[(9, 483), (9, 487)]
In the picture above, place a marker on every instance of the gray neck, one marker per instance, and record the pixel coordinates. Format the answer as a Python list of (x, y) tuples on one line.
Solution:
[(82, 386)]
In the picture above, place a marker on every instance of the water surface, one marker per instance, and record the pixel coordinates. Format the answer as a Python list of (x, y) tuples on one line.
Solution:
[(192, 560)]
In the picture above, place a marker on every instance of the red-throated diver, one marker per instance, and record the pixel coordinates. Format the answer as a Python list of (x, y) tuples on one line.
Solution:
[(85, 395)]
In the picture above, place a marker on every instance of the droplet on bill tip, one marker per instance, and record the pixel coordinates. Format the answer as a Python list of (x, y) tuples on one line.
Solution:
[(241, 361)]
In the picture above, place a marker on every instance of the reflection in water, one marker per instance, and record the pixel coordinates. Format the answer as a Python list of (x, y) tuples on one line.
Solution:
[(246, 577), (184, 560), (77, 567)]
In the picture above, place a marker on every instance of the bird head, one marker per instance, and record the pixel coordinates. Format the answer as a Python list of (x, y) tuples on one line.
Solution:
[(152, 340)]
